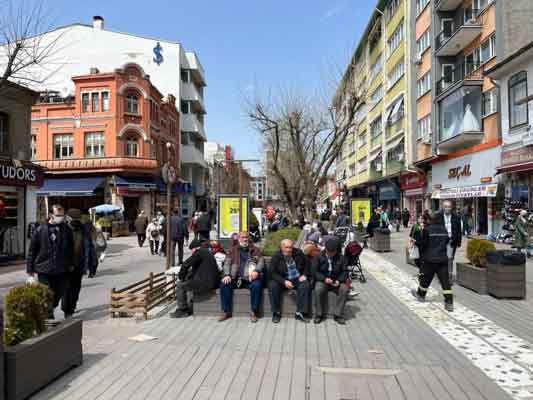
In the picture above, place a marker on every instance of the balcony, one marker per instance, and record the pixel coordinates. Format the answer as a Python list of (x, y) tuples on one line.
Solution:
[(196, 68), (374, 175), (393, 167), (108, 164), (394, 128), (191, 123), (352, 181), (191, 93), (191, 155), (447, 5), (375, 141), (464, 29), (462, 74)]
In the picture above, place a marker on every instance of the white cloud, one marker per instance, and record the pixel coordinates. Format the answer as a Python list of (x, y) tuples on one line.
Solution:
[(331, 12)]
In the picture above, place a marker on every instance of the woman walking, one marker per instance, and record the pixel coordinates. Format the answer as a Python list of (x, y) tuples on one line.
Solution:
[(153, 233)]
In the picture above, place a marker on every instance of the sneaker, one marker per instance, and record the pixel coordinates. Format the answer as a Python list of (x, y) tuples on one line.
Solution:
[(448, 307), (253, 318), (276, 317), (415, 294), (224, 316), (180, 313), (340, 320), (318, 319), (353, 293), (300, 317)]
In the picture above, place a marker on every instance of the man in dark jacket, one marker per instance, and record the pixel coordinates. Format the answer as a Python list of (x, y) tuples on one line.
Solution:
[(199, 274), (452, 222), (50, 255), (203, 226), (433, 246), (406, 216), (289, 269), (329, 272), (140, 227), (179, 234)]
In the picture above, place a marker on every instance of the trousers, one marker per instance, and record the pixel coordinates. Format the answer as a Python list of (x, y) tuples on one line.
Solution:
[(57, 284), (154, 246), (179, 243), (226, 295), (321, 297), (141, 237), (303, 289), (181, 294), (428, 272), (72, 292)]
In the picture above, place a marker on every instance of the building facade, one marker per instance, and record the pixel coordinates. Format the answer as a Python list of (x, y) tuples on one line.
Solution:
[(107, 142)]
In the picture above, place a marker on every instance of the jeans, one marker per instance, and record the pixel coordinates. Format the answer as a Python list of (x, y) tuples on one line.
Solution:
[(321, 297), (181, 294), (451, 257), (141, 237), (428, 273), (72, 292), (57, 284), (226, 295), (179, 243), (154, 246), (302, 295)]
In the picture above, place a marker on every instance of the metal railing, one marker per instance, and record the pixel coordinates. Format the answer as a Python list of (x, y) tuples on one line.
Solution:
[(462, 17), (461, 71)]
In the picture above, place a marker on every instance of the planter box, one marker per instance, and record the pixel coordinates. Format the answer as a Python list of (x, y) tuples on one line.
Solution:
[(472, 277), (507, 281), (379, 242), (31, 365)]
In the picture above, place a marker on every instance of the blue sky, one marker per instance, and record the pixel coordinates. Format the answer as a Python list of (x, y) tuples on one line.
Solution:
[(241, 44)]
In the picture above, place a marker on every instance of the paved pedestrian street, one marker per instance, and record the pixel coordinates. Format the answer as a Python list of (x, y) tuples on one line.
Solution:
[(391, 348)]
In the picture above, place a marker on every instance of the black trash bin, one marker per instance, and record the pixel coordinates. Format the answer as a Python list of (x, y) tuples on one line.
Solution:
[(506, 274)]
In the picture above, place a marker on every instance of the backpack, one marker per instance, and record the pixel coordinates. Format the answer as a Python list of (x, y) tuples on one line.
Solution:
[(154, 233)]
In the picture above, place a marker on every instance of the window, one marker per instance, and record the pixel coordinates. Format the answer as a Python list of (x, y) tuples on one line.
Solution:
[(460, 112), (132, 148), (4, 132), (481, 4), (423, 85), (185, 75), (395, 39), (94, 144), (185, 107), (95, 98), (377, 95), (154, 112), (132, 104), (376, 67), (361, 140), (351, 170), (362, 165), (395, 111), (396, 73), (518, 113), (490, 102), (105, 101), (63, 146), (421, 5), (423, 42), (423, 127), (85, 102), (481, 54), (33, 147), (391, 9), (184, 138), (397, 153), (375, 127)]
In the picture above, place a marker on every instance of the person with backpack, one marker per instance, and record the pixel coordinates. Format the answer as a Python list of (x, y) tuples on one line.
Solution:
[(153, 233)]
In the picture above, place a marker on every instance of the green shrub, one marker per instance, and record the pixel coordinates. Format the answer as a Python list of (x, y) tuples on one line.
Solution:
[(26, 311), (273, 239), (476, 251)]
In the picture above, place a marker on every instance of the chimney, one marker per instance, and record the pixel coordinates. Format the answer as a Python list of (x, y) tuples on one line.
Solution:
[(98, 22), (94, 71)]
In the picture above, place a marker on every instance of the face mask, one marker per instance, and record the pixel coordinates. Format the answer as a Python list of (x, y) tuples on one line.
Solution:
[(58, 219), (243, 243)]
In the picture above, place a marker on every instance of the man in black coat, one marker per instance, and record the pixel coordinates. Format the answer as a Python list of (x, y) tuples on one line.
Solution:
[(329, 272), (452, 222), (203, 226), (433, 246), (289, 269), (199, 274), (50, 255), (179, 234)]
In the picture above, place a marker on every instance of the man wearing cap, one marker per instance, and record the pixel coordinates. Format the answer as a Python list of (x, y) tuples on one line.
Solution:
[(243, 269), (330, 274)]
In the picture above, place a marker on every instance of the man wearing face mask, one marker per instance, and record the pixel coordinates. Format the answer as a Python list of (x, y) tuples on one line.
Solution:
[(243, 269), (451, 221), (50, 255)]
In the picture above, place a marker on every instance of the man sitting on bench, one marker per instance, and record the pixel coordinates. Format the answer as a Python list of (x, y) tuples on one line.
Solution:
[(243, 269), (290, 270)]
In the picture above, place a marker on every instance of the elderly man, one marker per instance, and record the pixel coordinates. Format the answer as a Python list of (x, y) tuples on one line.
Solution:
[(452, 222), (243, 269), (330, 274), (290, 270)]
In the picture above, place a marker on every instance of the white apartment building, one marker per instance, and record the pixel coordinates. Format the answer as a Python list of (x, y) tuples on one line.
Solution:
[(171, 68)]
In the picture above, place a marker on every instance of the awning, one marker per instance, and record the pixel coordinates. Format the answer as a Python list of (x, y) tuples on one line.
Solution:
[(140, 183), (178, 187), (466, 192), (70, 187), (395, 144), (515, 168)]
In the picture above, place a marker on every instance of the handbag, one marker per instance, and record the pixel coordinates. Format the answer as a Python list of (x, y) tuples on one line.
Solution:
[(414, 253)]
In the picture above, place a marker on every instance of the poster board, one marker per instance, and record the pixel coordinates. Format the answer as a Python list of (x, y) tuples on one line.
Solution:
[(360, 210), (228, 215)]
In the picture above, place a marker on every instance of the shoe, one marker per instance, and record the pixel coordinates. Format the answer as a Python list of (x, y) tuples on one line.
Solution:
[(415, 294), (318, 319), (253, 318), (276, 317), (92, 275), (340, 320), (224, 316), (68, 316), (353, 293), (300, 317), (448, 307), (180, 313)]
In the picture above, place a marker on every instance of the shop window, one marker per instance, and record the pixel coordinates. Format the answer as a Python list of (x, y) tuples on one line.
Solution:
[(63, 146), (132, 103), (132, 147), (518, 108), (4, 133), (95, 99), (490, 102), (94, 144), (11, 223), (460, 112)]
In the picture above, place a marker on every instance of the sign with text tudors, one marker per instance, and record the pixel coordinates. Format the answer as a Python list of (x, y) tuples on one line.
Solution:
[(228, 215), (19, 174)]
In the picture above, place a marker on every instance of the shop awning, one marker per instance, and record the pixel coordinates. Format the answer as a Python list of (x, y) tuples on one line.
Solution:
[(136, 183), (515, 168), (466, 192), (70, 187), (179, 187)]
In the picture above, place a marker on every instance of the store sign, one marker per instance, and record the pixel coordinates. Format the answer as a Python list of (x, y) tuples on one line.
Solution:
[(466, 192), (412, 180), (228, 215), (459, 172), (518, 156), (22, 175)]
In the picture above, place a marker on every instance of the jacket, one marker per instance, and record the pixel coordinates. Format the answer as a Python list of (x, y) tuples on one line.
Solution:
[(278, 266), (456, 229), (233, 261), (433, 244), (320, 268), (416, 233), (342, 220), (140, 224), (520, 240), (178, 228), (40, 258), (153, 227), (201, 270), (203, 223)]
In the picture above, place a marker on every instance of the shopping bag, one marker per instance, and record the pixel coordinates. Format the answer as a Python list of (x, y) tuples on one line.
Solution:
[(414, 253)]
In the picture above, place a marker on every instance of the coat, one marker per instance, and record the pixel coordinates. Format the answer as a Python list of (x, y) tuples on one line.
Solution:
[(201, 270), (178, 228), (433, 244), (140, 224), (457, 234), (232, 264), (203, 223), (153, 227), (278, 266), (320, 268), (40, 258), (520, 237)]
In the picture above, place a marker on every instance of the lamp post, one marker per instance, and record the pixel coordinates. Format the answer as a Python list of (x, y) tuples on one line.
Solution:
[(170, 176)]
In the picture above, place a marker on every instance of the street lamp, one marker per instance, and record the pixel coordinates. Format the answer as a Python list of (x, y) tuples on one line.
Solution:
[(170, 176)]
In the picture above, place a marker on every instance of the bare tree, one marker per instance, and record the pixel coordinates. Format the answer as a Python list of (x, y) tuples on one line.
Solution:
[(26, 56), (302, 139)]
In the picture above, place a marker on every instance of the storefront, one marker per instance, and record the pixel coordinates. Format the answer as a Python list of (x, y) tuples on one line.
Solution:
[(471, 182), (389, 194), (18, 181), (133, 194), (415, 197), (516, 171)]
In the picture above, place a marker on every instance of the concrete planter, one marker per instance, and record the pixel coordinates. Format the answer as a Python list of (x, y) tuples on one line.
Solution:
[(507, 281), (34, 363), (472, 277), (380, 242)]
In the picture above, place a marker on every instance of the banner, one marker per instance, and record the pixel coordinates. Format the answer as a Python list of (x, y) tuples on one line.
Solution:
[(360, 210), (466, 192), (228, 215)]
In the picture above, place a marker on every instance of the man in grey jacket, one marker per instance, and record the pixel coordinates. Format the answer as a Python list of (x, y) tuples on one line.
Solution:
[(179, 234)]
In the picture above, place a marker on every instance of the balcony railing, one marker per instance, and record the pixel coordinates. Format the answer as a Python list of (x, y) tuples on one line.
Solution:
[(464, 20), (461, 72), (375, 141), (447, 5)]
